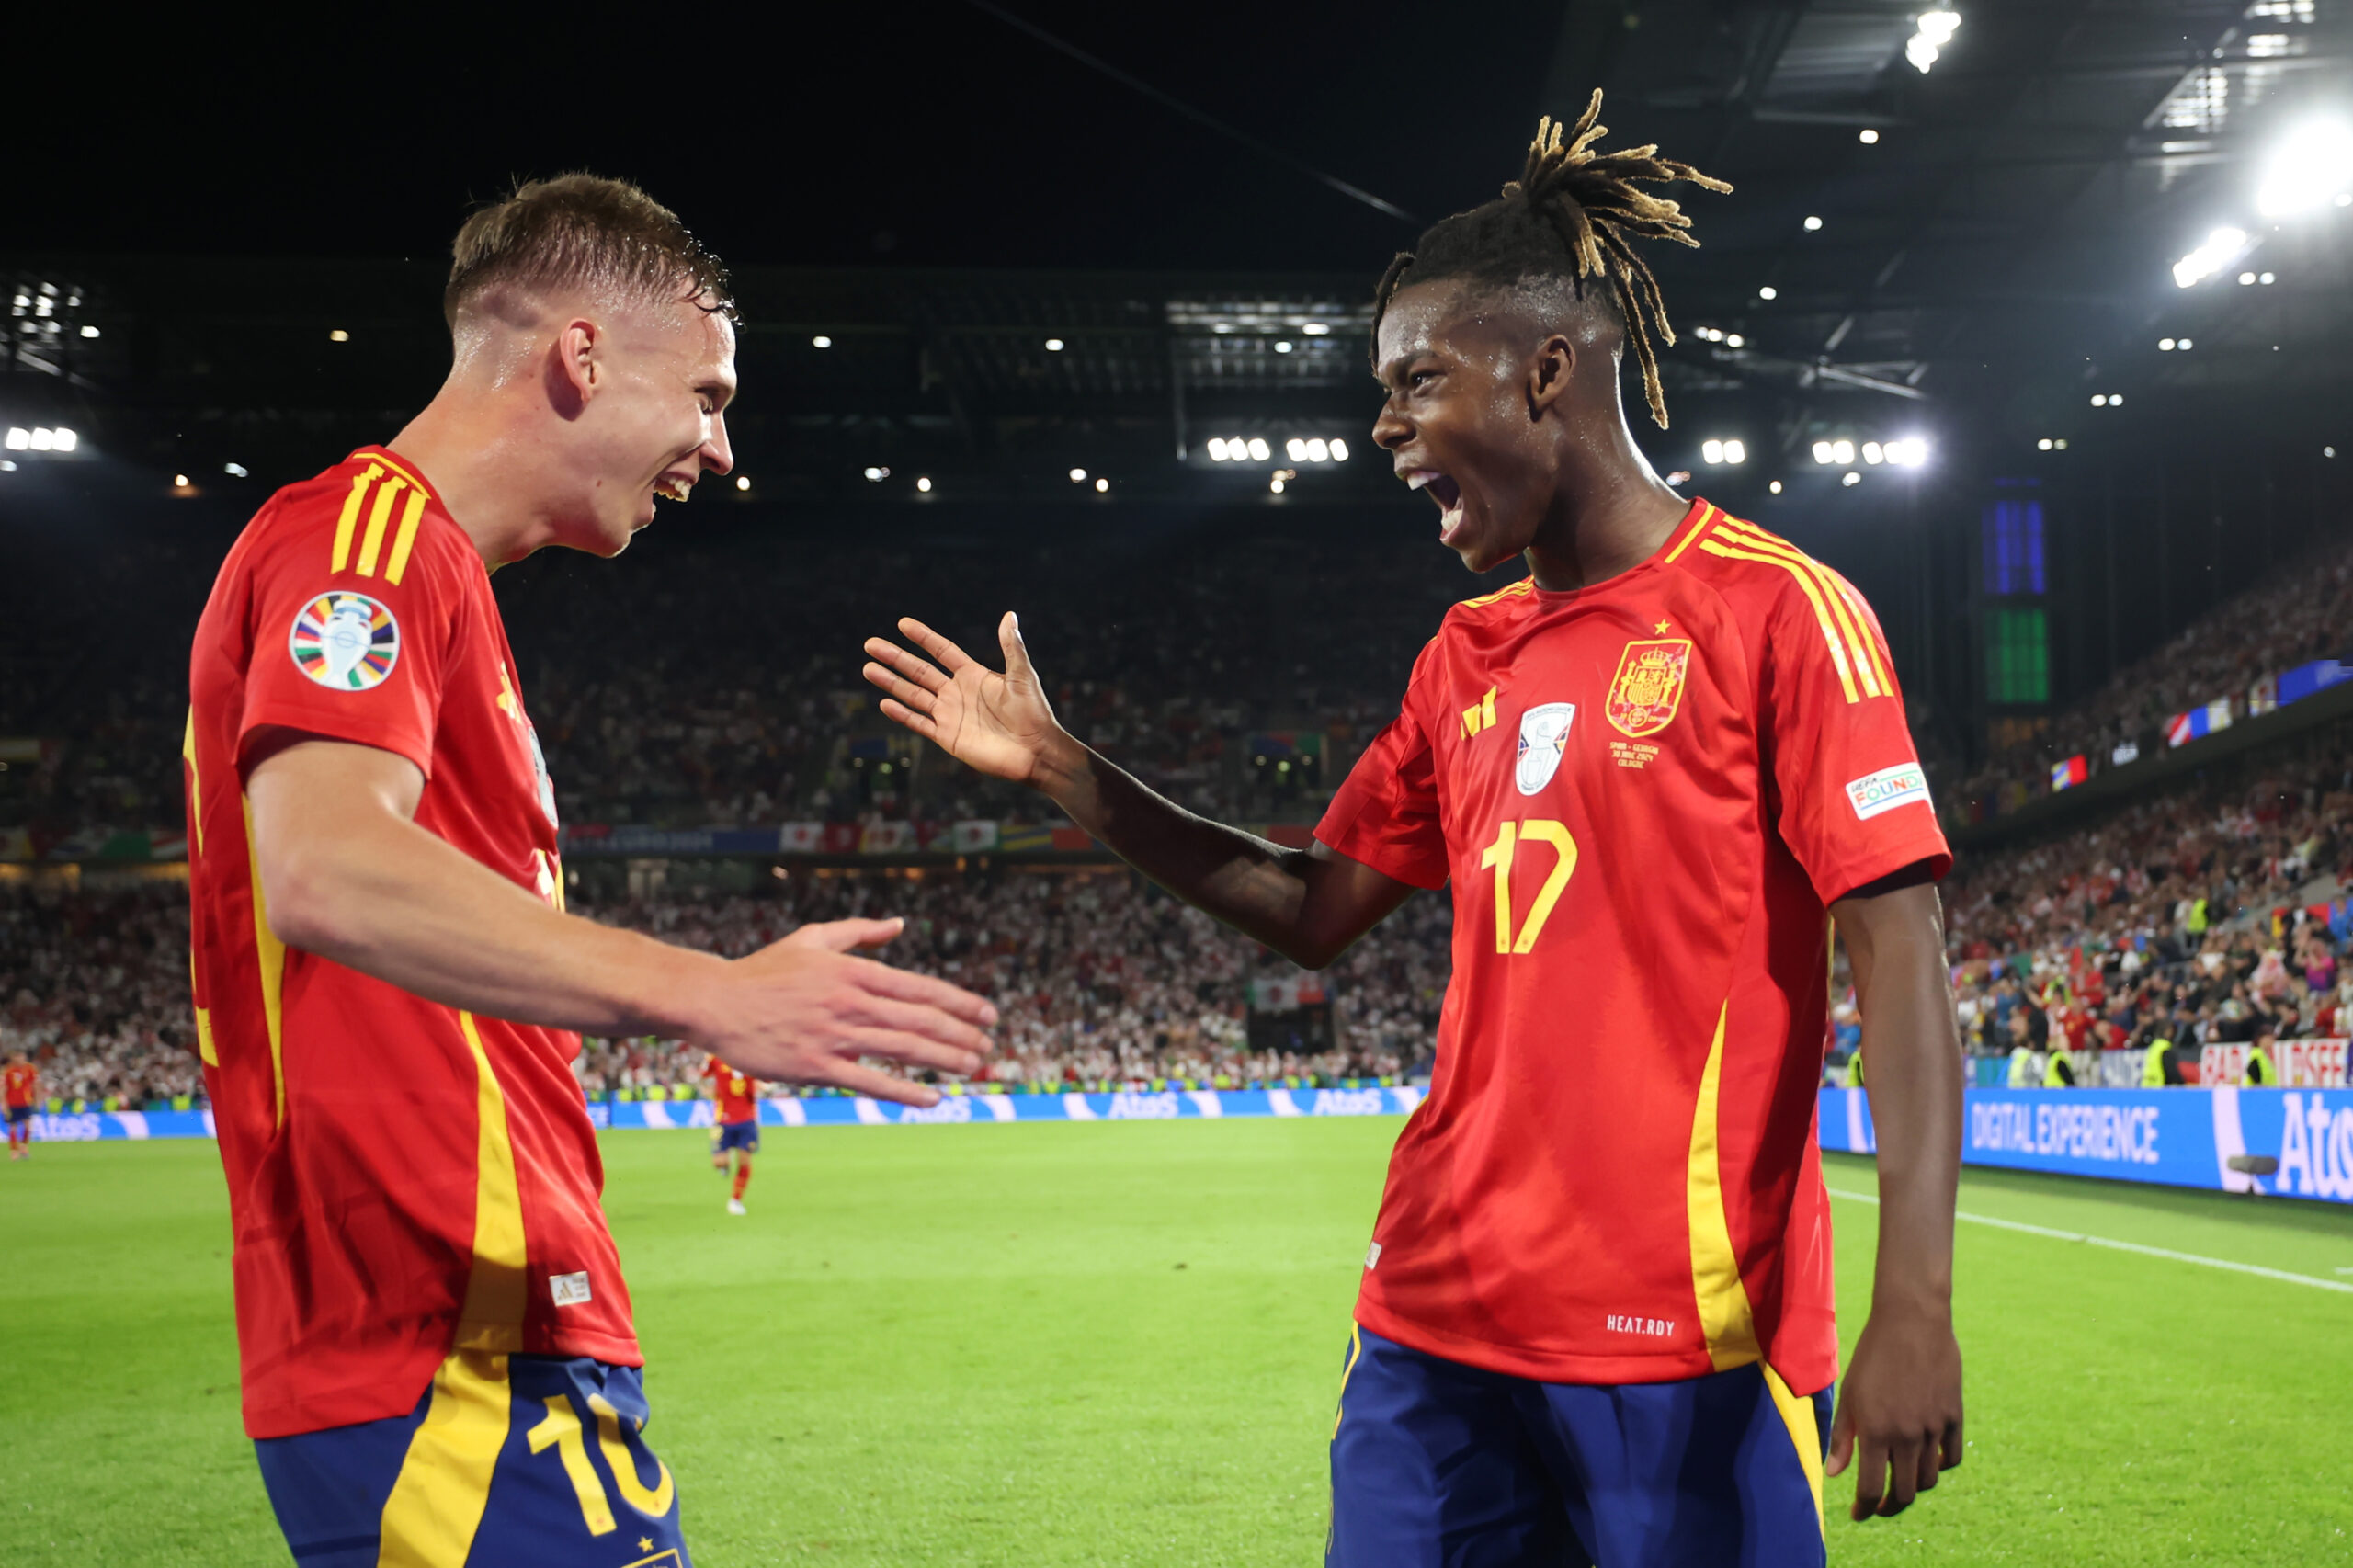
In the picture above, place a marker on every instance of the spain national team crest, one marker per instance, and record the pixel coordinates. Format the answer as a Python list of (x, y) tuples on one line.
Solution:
[(344, 641), (1544, 740), (1649, 685)]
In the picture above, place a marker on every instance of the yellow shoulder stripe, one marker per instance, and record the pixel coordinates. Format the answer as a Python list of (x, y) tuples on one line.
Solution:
[(387, 490), (1861, 648), (1812, 591), (388, 460), (1707, 514), (1522, 586)]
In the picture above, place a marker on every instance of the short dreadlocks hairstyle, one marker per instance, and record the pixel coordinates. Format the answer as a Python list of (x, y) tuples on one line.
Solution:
[(581, 231), (1572, 213)]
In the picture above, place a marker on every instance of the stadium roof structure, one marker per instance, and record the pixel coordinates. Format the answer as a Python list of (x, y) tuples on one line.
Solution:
[(1976, 250)]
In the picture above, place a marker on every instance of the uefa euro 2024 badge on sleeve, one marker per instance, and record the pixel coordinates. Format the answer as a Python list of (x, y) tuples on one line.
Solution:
[(344, 641), (1543, 737)]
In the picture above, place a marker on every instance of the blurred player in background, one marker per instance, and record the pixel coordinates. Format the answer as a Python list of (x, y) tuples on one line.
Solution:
[(20, 1086), (434, 1327), (1596, 1321), (735, 1109)]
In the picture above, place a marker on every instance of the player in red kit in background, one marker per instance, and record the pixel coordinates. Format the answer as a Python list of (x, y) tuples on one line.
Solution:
[(432, 1323), (20, 1086), (735, 1103), (1595, 1322)]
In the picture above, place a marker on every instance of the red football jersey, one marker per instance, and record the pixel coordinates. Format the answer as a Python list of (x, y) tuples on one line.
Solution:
[(735, 1096), (23, 1084), (404, 1178), (1646, 794)]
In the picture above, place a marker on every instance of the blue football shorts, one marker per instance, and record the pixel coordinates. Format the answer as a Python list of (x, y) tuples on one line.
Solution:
[(1440, 1465), (20, 1115), (744, 1135), (521, 1461)]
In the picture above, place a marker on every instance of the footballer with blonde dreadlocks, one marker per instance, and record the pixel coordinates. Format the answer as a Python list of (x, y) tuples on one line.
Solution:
[(1594, 1323)]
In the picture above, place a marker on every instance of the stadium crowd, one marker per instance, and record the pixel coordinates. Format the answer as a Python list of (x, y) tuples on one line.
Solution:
[(2234, 652)]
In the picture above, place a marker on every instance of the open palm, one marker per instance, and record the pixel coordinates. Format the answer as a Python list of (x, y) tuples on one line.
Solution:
[(999, 724)]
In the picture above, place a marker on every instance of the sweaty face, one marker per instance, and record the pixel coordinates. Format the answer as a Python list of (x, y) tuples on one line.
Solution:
[(1456, 366), (657, 421)]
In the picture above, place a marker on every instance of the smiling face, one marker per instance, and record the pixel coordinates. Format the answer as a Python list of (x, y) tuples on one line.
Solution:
[(1478, 408), (658, 380)]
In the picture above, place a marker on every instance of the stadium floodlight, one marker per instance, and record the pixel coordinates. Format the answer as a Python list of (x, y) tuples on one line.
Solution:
[(924, 485), (1822, 453), (1812, 223), (2312, 167), (1217, 448), (1769, 292), (2164, 345), (743, 482), (1842, 451), (2268, 278), (1319, 450), (2182, 344), (820, 341), (1295, 449), (19, 437), (89, 332), (1315, 328), (339, 336), (1274, 485), (1869, 137), (1712, 451), (1934, 30), (1053, 346), (2060, 445), (1908, 451), (1283, 345), (2100, 400), (1339, 450), (2043, 445), (44, 438), (179, 481), (1874, 453), (877, 475), (1102, 487), (2245, 278), (1733, 340), (236, 470), (1735, 452), (2219, 249), (1078, 476), (1852, 478), (1258, 449), (1775, 487)]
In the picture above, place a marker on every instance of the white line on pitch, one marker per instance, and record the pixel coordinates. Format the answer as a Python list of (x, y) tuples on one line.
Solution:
[(2123, 1246)]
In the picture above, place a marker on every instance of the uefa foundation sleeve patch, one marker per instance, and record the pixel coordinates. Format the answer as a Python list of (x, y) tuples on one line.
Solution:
[(1887, 789), (344, 641)]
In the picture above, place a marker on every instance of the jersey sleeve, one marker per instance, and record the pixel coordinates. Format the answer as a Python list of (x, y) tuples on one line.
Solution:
[(346, 654), (1386, 812), (1853, 801)]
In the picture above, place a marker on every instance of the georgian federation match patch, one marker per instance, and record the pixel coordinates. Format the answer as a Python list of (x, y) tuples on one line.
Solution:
[(1544, 738), (344, 641), (1887, 789)]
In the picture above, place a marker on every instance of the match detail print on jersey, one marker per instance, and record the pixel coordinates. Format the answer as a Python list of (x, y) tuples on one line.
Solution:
[(344, 641)]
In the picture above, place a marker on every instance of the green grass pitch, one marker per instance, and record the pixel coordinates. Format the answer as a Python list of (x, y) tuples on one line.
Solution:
[(1119, 1344)]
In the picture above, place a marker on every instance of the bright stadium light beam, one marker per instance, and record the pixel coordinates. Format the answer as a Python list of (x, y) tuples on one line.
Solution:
[(1822, 453), (1258, 449), (1842, 453), (1735, 452), (1295, 449), (1936, 30), (1711, 451), (1339, 450), (2310, 169), (2219, 248), (1217, 448)]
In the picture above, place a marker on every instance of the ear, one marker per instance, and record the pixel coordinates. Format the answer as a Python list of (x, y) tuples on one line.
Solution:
[(1550, 370), (574, 367)]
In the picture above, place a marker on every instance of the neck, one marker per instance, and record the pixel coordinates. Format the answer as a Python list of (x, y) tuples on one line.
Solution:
[(481, 463), (1608, 511)]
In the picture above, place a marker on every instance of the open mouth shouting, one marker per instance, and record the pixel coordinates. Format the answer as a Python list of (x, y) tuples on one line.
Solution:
[(1447, 493)]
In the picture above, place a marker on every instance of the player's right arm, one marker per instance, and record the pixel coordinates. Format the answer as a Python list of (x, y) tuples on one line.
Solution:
[(347, 875), (1307, 904)]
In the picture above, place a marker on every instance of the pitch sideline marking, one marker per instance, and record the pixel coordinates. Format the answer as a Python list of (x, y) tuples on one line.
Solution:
[(2115, 1245)]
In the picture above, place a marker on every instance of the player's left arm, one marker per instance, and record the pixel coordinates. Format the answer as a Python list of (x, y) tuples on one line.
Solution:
[(1899, 1408), (1854, 809)]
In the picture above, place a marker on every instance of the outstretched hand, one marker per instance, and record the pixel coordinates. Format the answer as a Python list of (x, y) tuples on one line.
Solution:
[(998, 724), (804, 1009)]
